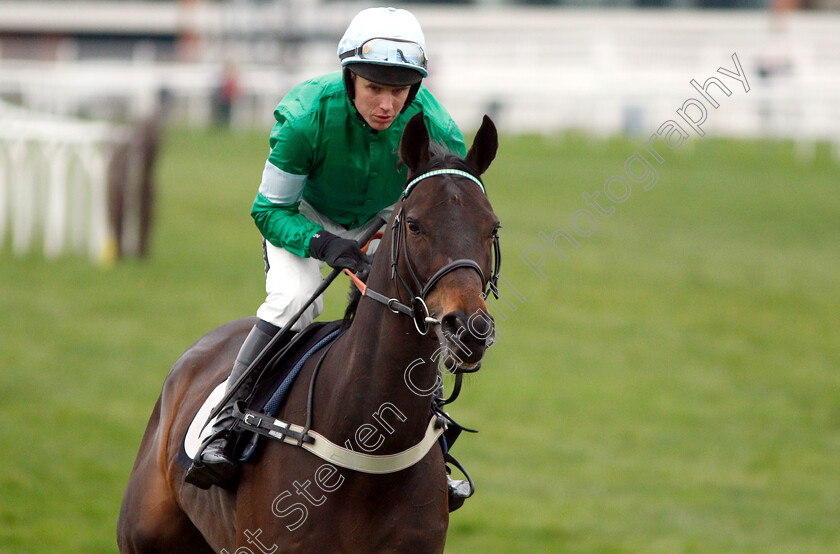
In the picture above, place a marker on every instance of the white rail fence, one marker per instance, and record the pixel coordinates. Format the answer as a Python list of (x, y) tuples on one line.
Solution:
[(69, 186)]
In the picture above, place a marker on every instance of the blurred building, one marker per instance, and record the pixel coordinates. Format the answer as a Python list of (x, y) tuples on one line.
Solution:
[(601, 66)]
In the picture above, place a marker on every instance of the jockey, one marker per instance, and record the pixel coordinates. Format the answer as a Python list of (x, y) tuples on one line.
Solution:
[(330, 176)]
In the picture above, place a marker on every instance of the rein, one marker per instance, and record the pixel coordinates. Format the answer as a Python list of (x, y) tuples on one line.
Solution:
[(304, 437)]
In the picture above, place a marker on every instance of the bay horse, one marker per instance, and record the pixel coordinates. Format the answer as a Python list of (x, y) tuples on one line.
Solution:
[(373, 393)]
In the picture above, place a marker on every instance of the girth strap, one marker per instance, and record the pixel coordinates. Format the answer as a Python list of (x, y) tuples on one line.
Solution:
[(269, 427), (322, 447)]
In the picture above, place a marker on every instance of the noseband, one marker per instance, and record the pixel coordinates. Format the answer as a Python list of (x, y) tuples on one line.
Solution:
[(418, 310)]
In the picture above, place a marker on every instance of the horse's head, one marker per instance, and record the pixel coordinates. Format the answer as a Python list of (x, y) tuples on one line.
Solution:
[(445, 247)]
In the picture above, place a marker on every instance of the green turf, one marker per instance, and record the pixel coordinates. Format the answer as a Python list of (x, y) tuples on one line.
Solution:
[(672, 386)]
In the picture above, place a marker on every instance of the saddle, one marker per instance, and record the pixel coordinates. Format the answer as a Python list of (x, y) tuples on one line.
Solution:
[(279, 375), (276, 379), (282, 368)]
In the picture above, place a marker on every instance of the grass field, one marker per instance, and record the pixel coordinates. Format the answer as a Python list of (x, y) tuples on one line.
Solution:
[(673, 386)]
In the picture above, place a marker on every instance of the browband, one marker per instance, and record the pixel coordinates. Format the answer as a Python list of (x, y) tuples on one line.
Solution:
[(432, 173)]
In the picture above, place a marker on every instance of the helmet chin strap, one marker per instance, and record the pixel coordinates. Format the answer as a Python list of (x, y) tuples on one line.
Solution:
[(349, 87), (412, 92)]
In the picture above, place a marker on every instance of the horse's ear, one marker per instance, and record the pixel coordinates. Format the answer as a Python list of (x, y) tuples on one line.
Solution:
[(484, 146), (414, 144)]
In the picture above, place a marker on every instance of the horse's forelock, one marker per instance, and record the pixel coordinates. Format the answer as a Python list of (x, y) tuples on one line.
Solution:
[(442, 157)]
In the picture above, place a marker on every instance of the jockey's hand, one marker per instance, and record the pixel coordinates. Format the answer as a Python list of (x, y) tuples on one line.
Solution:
[(337, 252)]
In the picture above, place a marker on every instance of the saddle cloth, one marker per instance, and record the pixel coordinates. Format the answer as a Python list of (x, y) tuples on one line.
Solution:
[(270, 392)]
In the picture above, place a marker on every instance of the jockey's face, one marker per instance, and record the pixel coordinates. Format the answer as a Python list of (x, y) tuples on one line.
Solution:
[(378, 104)]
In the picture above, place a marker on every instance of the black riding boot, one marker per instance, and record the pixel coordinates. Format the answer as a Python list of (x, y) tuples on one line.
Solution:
[(215, 463)]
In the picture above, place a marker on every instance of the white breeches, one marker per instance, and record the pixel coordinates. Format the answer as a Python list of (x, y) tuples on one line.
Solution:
[(291, 280)]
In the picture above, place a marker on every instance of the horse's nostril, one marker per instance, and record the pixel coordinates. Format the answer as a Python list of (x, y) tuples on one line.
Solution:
[(481, 326), (452, 322)]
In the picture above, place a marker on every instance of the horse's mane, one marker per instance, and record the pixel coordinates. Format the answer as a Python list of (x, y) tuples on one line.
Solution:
[(441, 157), (353, 301)]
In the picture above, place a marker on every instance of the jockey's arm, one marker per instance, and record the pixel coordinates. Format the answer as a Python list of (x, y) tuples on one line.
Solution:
[(283, 225)]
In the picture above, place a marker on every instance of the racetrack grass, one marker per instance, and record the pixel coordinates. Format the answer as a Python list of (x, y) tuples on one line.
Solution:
[(672, 386)]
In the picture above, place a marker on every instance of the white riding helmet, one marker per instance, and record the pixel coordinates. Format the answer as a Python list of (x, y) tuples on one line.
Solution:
[(386, 46)]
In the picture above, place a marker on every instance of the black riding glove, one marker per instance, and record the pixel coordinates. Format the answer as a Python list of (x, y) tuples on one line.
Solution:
[(337, 252)]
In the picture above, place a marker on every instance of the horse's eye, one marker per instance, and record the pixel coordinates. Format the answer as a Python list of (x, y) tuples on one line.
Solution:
[(495, 232), (414, 227)]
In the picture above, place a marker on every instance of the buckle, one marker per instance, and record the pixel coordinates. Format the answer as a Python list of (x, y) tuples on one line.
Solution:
[(391, 303), (250, 416)]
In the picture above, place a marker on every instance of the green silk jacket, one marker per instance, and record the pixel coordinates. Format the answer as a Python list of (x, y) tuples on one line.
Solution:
[(323, 152)]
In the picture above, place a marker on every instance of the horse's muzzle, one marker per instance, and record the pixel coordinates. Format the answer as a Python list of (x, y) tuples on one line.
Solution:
[(465, 339)]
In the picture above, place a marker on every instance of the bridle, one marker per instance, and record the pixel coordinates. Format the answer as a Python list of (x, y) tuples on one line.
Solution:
[(440, 421), (417, 308)]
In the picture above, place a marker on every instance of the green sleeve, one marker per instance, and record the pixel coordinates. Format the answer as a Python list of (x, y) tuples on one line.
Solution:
[(275, 208), (284, 226), (446, 132), (455, 140)]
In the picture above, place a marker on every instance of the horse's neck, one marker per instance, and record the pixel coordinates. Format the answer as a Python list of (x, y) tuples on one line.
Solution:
[(386, 368)]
